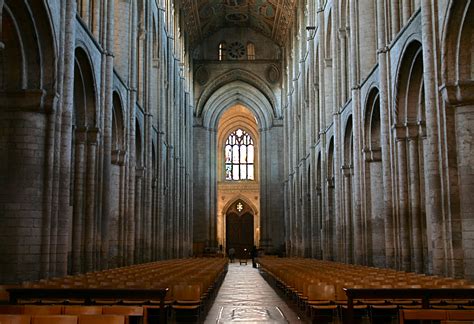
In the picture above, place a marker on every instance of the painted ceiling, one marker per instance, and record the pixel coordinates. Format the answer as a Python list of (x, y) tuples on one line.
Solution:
[(272, 18)]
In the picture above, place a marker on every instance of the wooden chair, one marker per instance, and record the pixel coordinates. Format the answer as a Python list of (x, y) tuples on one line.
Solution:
[(54, 319), (461, 315), (15, 319), (42, 310), (383, 313), (422, 314), (187, 304), (101, 319), (82, 310), (12, 309), (131, 313)]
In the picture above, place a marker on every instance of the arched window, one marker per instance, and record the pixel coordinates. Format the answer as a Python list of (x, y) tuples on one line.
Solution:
[(222, 51), (250, 51), (239, 156)]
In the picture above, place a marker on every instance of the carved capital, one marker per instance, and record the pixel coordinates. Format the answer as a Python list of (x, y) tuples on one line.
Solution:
[(80, 135), (372, 154), (118, 157), (346, 171), (459, 94), (93, 136)]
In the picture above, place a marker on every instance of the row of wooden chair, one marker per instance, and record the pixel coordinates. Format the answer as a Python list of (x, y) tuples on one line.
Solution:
[(191, 283), (62, 319), (436, 315), (164, 274), (317, 286)]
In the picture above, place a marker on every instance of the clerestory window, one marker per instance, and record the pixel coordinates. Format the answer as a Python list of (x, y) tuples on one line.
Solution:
[(239, 156)]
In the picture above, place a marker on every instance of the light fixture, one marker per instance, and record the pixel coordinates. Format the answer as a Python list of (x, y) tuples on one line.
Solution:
[(311, 32)]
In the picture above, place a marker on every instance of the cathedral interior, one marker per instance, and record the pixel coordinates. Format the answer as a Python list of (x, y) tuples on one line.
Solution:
[(134, 131)]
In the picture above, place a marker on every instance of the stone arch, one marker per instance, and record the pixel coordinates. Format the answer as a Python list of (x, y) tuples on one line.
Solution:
[(328, 37), (457, 51), (372, 122), (237, 76), (348, 139), (233, 93), (118, 123), (207, 207), (236, 198), (29, 52), (254, 211), (347, 182), (409, 151), (85, 94), (374, 229), (409, 85), (139, 149)]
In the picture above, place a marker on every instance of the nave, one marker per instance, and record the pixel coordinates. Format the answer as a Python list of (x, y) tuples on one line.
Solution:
[(211, 290), (244, 292)]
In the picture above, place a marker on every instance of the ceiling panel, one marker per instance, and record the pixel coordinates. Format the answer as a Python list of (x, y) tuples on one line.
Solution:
[(272, 18)]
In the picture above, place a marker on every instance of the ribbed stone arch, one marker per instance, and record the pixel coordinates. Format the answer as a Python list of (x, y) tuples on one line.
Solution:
[(230, 94), (233, 93), (243, 76)]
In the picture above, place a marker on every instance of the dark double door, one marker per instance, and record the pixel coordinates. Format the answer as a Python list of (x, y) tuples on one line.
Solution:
[(239, 230)]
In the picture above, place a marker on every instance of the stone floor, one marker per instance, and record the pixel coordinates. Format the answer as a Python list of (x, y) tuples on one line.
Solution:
[(248, 298)]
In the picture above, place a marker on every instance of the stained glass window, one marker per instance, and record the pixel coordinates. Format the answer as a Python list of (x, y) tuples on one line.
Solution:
[(239, 156)]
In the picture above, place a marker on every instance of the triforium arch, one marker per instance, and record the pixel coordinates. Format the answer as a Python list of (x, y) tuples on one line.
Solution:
[(270, 137), (458, 92)]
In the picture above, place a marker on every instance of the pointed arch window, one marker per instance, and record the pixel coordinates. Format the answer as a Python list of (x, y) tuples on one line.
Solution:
[(250, 51), (222, 51), (239, 156)]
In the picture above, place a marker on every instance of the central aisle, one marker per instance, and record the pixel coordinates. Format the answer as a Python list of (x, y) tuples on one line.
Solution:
[(244, 286)]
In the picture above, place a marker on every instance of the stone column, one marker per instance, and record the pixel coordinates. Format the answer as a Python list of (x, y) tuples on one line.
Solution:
[(94, 25), (107, 140), (78, 214), (62, 176), (406, 11), (347, 229), (395, 14), (139, 226), (2, 44), (90, 208), (415, 208), (404, 217), (130, 216), (148, 194), (434, 210), (356, 108), (344, 61), (330, 222), (385, 140), (84, 11)]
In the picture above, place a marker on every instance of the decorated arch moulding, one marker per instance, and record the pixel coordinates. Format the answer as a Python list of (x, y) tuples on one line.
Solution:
[(237, 75), (231, 76), (242, 197), (242, 93)]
